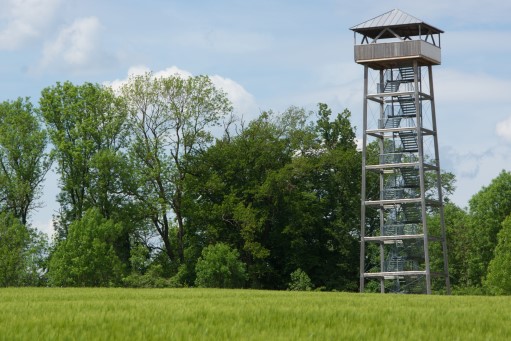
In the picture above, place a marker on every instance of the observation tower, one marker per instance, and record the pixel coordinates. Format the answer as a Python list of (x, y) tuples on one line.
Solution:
[(401, 183)]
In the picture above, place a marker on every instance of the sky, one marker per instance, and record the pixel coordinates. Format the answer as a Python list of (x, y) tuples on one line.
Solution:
[(270, 55)]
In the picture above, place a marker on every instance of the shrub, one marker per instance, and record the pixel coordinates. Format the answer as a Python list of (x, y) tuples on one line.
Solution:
[(23, 253), (300, 281), (87, 256), (220, 267)]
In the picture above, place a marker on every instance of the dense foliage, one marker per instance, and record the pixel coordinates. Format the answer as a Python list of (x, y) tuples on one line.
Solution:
[(160, 186), (22, 253), (220, 267), (87, 256)]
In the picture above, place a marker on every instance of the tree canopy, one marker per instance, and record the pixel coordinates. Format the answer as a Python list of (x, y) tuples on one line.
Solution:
[(159, 186)]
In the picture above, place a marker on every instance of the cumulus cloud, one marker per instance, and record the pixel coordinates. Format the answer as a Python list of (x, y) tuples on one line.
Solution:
[(466, 87), (464, 164), (474, 169), (24, 21), (142, 69), (76, 46), (503, 129), (241, 99)]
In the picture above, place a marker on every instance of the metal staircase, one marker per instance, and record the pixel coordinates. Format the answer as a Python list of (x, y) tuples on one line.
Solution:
[(409, 141)]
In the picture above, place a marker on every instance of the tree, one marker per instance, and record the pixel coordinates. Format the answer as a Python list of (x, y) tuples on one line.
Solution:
[(498, 280), (23, 161), (220, 267), (170, 119), (488, 209), (87, 256), (458, 244), (284, 198), (87, 126), (224, 201), (22, 253), (300, 281)]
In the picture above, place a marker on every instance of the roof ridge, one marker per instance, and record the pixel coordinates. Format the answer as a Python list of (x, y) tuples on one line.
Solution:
[(380, 20), (394, 18)]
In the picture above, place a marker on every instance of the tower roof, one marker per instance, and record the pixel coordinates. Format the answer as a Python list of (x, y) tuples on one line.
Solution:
[(402, 23)]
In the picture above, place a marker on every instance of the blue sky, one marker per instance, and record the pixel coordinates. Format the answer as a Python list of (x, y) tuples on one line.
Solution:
[(271, 55)]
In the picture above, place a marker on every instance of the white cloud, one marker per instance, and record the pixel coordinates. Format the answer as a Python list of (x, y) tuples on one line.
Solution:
[(142, 69), (465, 164), (77, 45), (172, 71), (24, 21), (241, 99), (466, 87), (474, 169), (504, 129)]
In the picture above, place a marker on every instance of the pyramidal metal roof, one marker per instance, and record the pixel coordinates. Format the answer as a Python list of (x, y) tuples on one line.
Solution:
[(396, 18)]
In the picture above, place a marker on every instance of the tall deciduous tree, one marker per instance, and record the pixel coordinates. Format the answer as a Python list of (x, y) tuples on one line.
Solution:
[(23, 160), (87, 127), (170, 119), (86, 124), (286, 194)]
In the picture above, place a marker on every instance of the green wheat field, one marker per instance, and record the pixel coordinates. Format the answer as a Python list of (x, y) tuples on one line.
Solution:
[(211, 314)]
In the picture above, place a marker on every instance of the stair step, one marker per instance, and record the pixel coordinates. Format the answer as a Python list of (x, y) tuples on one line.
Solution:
[(406, 74), (391, 86), (410, 177), (392, 122), (409, 141), (407, 104), (412, 214)]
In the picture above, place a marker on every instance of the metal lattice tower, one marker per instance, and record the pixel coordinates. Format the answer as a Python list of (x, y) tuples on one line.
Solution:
[(401, 181)]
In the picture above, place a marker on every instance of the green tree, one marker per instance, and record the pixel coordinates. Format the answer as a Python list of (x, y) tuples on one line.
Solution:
[(284, 197), (220, 267), (458, 244), (224, 202), (22, 253), (87, 126), (23, 161), (170, 119), (498, 280), (488, 209), (300, 281), (87, 256)]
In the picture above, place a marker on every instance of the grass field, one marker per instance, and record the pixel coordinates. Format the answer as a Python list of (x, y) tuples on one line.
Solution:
[(192, 314)]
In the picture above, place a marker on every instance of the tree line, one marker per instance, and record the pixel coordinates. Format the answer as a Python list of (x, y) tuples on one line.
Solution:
[(160, 186)]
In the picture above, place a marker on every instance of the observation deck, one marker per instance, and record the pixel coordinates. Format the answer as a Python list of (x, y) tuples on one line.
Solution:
[(406, 39)]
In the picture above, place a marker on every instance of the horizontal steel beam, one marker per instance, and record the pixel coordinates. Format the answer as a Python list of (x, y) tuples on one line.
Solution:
[(379, 95), (396, 237), (400, 165), (429, 202), (380, 132), (393, 274)]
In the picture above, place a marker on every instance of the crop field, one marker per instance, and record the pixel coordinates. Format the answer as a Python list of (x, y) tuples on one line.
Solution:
[(195, 314)]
